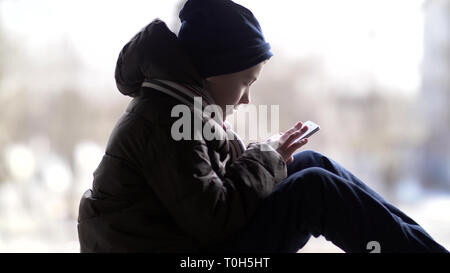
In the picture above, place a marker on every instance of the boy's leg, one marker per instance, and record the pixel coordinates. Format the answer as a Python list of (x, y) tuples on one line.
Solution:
[(310, 158), (318, 202)]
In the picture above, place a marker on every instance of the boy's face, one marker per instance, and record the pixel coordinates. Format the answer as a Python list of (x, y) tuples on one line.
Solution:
[(233, 89)]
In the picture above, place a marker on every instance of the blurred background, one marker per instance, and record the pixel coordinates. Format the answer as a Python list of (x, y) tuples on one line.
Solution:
[(374, 74)]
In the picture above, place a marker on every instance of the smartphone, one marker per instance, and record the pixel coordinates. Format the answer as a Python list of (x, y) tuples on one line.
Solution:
[(312, 128)]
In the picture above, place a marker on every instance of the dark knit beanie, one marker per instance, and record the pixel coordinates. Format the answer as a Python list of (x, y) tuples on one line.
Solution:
[(221, 37)]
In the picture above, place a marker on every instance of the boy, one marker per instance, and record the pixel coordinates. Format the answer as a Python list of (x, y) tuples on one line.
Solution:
[(154, 192)]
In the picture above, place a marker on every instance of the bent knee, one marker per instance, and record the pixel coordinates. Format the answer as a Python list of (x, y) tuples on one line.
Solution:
[(315, 179), (314, 153), (308, 156), (311, 175)]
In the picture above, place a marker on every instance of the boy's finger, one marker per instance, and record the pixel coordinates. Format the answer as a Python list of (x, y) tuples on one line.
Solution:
[(290, 159), (292, 130), (296, 145), (298, 125), (291, 139)]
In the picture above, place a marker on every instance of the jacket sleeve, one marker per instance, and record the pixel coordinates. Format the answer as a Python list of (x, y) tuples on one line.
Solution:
[(204, 205)]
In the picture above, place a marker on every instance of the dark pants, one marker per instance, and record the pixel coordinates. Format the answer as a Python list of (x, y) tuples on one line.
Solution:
[(320, 197)]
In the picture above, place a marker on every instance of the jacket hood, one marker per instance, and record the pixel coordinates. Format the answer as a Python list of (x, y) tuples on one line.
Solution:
[(154, 53)]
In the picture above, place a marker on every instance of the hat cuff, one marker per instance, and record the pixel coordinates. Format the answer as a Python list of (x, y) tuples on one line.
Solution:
[(234, 62)]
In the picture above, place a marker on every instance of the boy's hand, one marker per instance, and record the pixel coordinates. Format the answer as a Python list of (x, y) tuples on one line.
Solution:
[(284, 143)]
